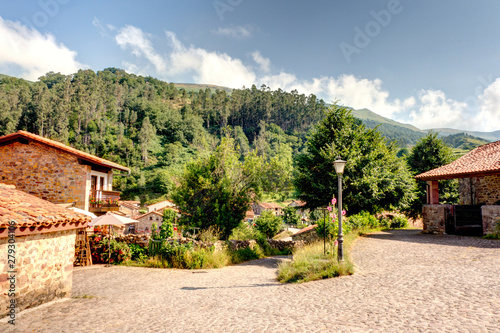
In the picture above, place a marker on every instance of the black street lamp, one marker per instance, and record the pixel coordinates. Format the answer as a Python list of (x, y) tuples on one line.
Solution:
[(339, 169)]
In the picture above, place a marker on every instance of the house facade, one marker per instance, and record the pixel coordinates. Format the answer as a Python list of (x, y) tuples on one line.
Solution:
[(146, 221), (160, 206), (299, 206), (276, 209), (58, 173), (478, 173), (43, 236)]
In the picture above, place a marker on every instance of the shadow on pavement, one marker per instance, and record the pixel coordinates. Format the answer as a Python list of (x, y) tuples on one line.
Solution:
[(416, 236)]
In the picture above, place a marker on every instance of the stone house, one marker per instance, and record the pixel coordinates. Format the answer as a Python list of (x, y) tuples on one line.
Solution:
[(258, 208), (145, 223), (129, 208), (42, 237), (160, 206), (478, 173), (58, 173)]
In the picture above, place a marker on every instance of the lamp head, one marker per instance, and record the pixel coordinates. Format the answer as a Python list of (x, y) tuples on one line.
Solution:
[(339, 165)]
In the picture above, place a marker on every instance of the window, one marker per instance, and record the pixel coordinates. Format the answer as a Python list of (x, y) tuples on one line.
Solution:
[(151, 218)]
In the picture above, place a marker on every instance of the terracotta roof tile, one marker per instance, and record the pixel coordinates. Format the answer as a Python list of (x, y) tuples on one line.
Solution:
[(63, 147), (306, 229), (270, 205), (28, 210), (483, 160)]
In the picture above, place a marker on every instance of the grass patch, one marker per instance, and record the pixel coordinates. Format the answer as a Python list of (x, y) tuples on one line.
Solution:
[(310, 263)]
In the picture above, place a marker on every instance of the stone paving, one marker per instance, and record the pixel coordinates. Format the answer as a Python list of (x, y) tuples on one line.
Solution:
[(404, 282)]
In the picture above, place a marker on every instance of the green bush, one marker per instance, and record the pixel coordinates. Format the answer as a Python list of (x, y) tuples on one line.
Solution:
[(268, 224), (399, 222), (362, 220), (244, 231), (332, 229), (138, 252), (120, 251)]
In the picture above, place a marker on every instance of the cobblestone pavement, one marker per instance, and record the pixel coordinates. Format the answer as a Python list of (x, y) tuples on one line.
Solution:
[(405, 282)]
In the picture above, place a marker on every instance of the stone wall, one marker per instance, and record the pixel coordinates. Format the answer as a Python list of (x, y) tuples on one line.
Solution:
[(45, 172), (491, 214), (435, 217), (485, 190), (147, 221), (308, 236), (44, 265)]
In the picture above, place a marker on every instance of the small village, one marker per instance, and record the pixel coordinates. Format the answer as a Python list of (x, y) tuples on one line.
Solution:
[(249, 166)]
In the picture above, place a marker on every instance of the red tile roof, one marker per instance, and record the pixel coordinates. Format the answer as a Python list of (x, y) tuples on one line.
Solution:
[(270, 205), (306, 229), (481, 161), (146, 214), (63, 147), (298, 202), (160, 205), (28, 210)]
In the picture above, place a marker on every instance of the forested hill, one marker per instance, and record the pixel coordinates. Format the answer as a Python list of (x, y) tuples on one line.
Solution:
[(151, 125)]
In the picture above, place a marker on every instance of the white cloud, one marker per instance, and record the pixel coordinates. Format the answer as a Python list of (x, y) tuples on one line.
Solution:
[(429, 109), (489, 108), (138, 42), (264, 63), (235, 32), (435, 110), (33, 53)]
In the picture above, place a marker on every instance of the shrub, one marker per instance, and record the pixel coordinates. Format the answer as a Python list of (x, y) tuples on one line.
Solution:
[(362, 220), (212, 234), (120, 251), (291, 216), (399, 222), (268, 224), (138, 252), (244, 231), (331, 228)]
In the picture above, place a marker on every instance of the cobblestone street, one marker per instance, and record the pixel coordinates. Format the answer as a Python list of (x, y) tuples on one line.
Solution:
[(404, 282)]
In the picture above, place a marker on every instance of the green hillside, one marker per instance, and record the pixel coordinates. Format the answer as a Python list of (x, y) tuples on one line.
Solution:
[(194, 87)]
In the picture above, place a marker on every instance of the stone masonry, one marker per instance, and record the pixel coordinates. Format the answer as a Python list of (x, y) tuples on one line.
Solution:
[(44, 265), (485, 190), (491, 214), (45, 172), (435, 217)]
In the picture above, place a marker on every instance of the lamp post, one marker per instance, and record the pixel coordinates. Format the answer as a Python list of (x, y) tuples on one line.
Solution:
[(339, 169)]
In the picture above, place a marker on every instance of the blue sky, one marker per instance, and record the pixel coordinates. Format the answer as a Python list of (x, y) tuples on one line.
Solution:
[(429, 63)]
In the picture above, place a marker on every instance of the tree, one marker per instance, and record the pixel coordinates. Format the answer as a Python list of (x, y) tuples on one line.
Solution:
[(430, 153), (217, 190), (167, 227), (374, 178), (268, 224), (291, 216)]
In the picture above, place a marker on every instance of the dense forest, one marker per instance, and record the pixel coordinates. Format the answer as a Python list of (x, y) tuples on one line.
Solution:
[(152, 126)]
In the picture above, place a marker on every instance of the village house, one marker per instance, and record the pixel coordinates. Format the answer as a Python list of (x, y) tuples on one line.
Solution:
[(478, 173), (129, 208), (145, 224), (297, 204), (258, 208), (43, 236), (160, 206), (58, 173)]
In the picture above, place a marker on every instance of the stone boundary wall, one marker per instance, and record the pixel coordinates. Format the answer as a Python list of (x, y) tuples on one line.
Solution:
[(143, 240), (491, 214), (44, 265), (435, 217), (307, 237)]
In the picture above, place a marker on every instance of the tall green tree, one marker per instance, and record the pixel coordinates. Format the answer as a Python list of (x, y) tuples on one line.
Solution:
[(374, 178), (217, 190), (429, 153)]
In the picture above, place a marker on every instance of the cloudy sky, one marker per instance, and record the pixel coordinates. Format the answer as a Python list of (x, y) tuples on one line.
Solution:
[(429, 63)]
